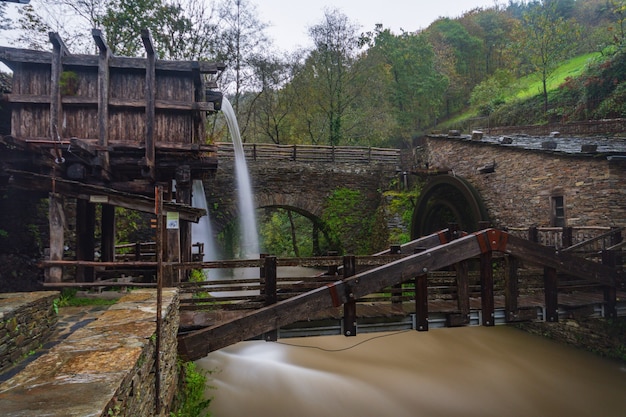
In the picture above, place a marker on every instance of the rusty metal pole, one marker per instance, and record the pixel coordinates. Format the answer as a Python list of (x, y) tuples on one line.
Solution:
[(158, 209)]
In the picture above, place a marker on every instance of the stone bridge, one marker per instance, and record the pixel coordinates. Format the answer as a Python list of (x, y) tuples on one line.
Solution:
[(301, 178)]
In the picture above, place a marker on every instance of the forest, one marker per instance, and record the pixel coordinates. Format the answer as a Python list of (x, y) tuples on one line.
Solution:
[(367, 86), (526, 62)]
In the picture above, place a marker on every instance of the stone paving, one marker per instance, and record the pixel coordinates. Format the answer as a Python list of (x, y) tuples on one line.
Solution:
[(81, 368)]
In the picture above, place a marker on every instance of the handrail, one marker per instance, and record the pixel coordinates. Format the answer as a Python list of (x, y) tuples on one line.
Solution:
[(313, 153)]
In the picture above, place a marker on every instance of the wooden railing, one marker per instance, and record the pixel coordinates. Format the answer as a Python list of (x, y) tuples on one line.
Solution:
[(313, 153)]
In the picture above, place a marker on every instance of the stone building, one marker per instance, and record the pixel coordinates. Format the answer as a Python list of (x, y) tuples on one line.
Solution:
[(520, 181)]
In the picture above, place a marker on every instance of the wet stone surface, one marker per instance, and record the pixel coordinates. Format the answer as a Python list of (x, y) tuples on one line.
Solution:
[(78, 371)]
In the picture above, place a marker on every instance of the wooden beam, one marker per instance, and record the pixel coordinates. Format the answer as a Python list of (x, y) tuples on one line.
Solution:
[(349, 308), (150, 93), (486, 289), (77, 189), (103, 102), (550, 280), (511, 288), (462, 290), (421, 303), (270, 288)]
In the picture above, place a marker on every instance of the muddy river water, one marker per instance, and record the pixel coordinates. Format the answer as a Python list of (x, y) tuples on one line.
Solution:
[(471, 371)]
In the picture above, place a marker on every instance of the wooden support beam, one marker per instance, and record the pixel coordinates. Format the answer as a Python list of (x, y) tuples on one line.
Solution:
[(59, 50), (349, 308), (550, 280), (396, 295), (271, 285), (150, 92), (103, 102), (85, 239), (610, 292), (486, 289), (511, 288), (462, 290), (421, 302), (107, 239)]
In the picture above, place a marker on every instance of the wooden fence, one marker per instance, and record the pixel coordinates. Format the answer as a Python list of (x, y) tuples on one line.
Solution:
[(313, 153)]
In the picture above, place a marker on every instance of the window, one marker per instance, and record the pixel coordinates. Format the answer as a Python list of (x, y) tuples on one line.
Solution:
[(557, 216)]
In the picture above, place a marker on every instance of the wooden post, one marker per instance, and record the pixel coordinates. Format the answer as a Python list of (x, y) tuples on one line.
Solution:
[(462, 291), (486, 289), (332, 269), (85, 239), (56, 215), (270, 272), (533, 234), (103, 101), (567, 237), (610, 291), (149, 160), (158, 211), (349, 308), (56, 68), (262, 275), (421, 303), (396, 295), (511, 288), (107, 239), (550, 280)]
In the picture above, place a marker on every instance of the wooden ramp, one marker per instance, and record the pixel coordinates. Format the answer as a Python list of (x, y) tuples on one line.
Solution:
[(435, 252)]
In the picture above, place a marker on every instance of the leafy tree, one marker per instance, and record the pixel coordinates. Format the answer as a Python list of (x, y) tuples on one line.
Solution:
[(123, 21), (330, 72), (618, 10), (450, 36), (241, 40), (414, 87), (547, 38)]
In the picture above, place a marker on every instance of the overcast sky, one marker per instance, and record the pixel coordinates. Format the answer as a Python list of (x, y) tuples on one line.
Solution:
[(290, 19)]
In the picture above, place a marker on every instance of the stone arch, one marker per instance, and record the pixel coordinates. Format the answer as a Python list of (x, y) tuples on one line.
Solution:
[(447, 199)]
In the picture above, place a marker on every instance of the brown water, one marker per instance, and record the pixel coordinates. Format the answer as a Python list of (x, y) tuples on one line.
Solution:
[(471, 371)]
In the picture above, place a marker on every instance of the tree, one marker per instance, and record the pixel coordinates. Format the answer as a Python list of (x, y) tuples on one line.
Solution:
[(327, 89), (123, 21), (547, 39), (240, 41), (414, 87), (618, 10)]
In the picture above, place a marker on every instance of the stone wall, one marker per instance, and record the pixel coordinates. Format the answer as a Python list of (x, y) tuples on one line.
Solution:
[(26, 322), (106, 368), (609, 127), (300, 186), (517, 193), (137, 391)]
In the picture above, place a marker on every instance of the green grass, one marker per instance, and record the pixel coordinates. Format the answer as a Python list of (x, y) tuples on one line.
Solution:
[(530, 85)]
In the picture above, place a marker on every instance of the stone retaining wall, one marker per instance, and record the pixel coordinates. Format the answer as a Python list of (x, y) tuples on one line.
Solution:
[(106, 368), (26, 322), (610, 127)]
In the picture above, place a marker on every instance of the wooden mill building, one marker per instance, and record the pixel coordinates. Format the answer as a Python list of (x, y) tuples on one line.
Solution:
[(104, 131)]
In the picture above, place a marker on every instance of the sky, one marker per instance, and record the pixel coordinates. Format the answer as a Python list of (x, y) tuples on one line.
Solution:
[(289, 19)]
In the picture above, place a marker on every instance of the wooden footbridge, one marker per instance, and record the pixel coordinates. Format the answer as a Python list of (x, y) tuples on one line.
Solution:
[(412, 264)]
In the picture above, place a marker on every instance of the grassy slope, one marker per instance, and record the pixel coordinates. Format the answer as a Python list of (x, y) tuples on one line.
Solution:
[(530, 85)]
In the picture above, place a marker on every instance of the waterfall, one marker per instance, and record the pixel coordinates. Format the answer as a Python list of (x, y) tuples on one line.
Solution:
[(249, 241), (202, 231)]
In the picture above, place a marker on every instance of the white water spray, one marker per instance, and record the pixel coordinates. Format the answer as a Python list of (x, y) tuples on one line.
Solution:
[(249, 240)]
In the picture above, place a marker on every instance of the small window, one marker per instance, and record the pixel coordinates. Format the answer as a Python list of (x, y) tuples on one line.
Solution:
[(557, 217)]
